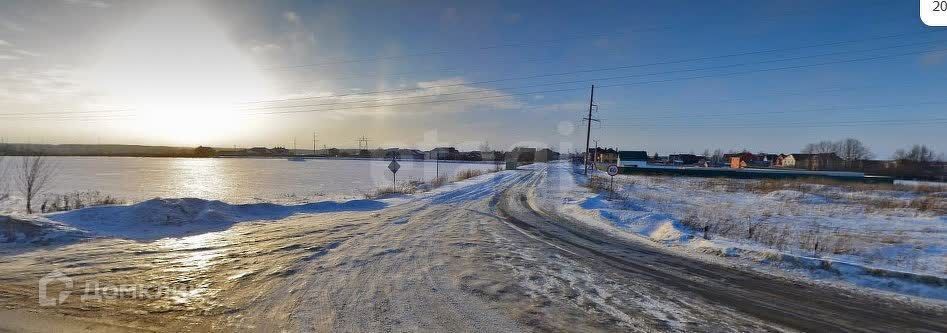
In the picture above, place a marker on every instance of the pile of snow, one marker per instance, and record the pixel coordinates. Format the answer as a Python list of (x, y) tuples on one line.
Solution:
[(630, 217), (15, 229), (158, 218)]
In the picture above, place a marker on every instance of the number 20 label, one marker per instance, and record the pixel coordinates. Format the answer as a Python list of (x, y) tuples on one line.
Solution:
[(934, 12)]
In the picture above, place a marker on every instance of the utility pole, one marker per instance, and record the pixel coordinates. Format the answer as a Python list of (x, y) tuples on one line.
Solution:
[(588, 131), (595, 154), (314, 143), (362, 142)]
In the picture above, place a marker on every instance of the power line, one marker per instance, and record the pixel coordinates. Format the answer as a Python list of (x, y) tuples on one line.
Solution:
[(833, 108), (580, 81), (523, 61), (554, 74), (549, 40), (792, 124), (679, 61), (619, 84), (608, 86)]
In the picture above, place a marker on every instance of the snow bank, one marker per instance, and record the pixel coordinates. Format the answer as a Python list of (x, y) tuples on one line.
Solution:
[(159, 218), (38, 230), (895, 249)]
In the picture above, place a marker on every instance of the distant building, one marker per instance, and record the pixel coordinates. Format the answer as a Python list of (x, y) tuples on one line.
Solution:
[(442, 153), (522, 155), (491, 156), (743, 160), (823, 161), (411, 154), (471, 156), (604, 155), (402, 154), (776, 160), (685, 159), (546, 155), (279, 151), (632, 158)]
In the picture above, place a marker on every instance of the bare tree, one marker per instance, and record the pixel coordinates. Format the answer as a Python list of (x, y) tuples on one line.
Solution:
[(717, 157), (822, 150), (852, 150), (917, 153), (33, 178)]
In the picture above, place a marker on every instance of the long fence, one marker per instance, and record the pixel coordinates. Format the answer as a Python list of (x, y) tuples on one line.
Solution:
[(755, 173)]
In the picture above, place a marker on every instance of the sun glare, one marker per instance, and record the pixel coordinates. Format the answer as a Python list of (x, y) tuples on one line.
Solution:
[(183, 76)]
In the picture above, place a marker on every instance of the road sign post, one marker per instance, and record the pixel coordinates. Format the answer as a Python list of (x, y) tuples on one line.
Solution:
[(394, 166), (612, 171)]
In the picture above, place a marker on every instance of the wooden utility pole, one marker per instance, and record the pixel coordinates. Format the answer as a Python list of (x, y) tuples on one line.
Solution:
[(588, 131), (595, 154)]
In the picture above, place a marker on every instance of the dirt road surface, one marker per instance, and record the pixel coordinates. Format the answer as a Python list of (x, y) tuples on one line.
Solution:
[(484, 257)]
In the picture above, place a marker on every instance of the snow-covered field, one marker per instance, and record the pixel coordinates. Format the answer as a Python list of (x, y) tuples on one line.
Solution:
[(872, 236), (159, 218), (232, 180)]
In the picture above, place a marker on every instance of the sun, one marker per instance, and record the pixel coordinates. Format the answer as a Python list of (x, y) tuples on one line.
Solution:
[(182, 75)]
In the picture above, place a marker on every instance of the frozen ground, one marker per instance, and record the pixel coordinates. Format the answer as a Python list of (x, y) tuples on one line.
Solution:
[(481, 255), (877, 238)]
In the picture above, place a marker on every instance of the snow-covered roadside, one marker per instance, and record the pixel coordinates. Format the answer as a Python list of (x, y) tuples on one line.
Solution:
[(178, 217), (898, 249)]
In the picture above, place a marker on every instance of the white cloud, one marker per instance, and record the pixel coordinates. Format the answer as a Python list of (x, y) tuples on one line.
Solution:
[(265, 48), (8, 57), (88, 3), (53, 84), (28, 53), (4, 43), (454, 96)]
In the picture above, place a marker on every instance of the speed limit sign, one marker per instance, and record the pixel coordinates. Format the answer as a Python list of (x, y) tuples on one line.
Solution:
[(612, 170)]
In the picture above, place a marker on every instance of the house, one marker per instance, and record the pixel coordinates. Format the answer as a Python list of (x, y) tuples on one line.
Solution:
[(822, 161), (632, 158), (402, 154), (743, 160), (546, 155), (777, 160), (471, 156), (685, 159), (522, 155), (770, 160), (279, 151), (442, 153), (604, 155), (491, 156), (411, 154)]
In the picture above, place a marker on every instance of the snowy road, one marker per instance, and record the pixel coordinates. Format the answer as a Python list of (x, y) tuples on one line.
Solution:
[(481, 256)]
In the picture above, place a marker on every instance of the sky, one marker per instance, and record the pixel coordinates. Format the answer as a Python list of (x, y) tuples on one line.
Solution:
[(670, 76)]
